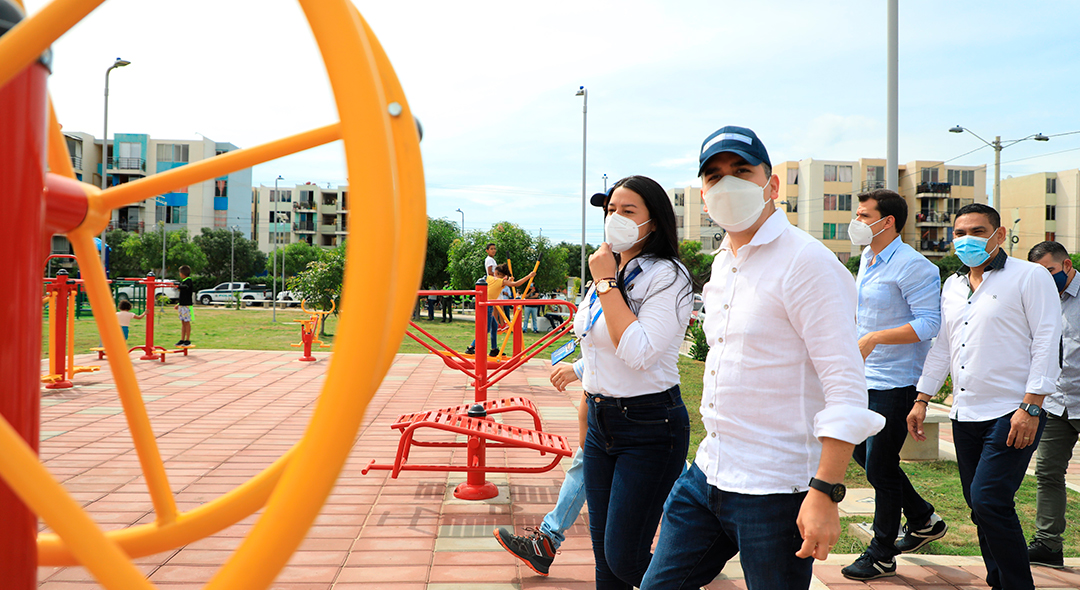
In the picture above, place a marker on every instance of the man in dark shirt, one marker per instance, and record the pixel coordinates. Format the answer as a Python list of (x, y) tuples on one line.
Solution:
[(187, 295)]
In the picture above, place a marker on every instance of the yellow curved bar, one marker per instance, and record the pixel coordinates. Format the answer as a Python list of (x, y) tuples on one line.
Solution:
[(59, 158), (363, 337), (33, 484), (26, 41), (132, 192), (201, 522), (142, 433)]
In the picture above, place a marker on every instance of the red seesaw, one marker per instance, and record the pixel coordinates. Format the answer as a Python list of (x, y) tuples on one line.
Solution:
[(473, 420)]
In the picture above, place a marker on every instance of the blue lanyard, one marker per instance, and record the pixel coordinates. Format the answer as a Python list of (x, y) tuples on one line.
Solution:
[(629, 278)]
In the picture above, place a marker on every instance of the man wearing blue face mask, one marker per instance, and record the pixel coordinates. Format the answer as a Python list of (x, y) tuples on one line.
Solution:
[(784, 397), (999, 337), (1062, 413)]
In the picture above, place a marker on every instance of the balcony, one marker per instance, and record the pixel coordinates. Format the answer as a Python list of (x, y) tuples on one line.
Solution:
[(933, 188), (934, 247), (131, 226), (932, 219), (76, 162), (327, 228), (342, 227), (123, 164), (869, 185), (304, 206), (304, 226)]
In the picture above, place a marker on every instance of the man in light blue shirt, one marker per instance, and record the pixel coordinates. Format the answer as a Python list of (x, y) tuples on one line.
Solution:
[(899, 312)]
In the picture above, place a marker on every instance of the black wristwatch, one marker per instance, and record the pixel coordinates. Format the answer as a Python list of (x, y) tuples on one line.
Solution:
[(1031, 409), (835, 491)]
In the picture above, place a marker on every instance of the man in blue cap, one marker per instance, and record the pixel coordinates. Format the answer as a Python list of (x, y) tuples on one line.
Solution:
[(784, 397)]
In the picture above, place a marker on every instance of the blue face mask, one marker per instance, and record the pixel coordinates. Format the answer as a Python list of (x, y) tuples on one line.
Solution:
[(971, 250), (1060, 279)]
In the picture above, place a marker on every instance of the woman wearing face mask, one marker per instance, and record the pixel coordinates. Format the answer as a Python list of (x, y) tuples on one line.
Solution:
[(630, 325)]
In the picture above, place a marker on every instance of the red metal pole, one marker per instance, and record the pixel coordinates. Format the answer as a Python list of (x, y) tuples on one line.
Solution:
[(148, 347), (476, 486), (58, 347), (307, 336), (23, 125)]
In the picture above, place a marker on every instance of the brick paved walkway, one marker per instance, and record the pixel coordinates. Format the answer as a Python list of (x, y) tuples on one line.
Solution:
[(223, 415)]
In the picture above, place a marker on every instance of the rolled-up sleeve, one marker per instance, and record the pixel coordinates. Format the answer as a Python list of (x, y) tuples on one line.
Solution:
[(921, 288), (663, 316), (821, 304), (1042, 306)]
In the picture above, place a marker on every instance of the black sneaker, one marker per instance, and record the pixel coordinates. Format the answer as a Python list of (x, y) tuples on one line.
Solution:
[(494, 352), (868, 568), (180, 343), (470, 350), (914, 539), (535, 550), (1040, 554)]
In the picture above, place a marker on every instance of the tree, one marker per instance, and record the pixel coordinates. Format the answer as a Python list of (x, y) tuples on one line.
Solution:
[(120, 263), (441, 236), (466, 260), (852, 264), (698, 263), (948, 265), (320, 283), (145, 249), (573, 258), (218, 246), (297, 257)]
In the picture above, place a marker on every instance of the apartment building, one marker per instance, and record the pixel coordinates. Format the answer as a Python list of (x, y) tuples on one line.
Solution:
[(300, 213), (691, 221), (1041, 206)]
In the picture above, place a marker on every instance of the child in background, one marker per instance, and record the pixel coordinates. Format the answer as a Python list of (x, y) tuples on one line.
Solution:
[(125, 316), (187, 299)]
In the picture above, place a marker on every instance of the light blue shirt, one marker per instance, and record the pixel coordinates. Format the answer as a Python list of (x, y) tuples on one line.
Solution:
[(900, 287)]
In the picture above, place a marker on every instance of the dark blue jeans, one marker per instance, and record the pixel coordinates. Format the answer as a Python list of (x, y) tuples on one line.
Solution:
[(880, 456), (635, 449), (493, 328), (990, 474), (704, 527)]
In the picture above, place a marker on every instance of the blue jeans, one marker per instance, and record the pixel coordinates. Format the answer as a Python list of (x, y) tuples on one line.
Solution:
[(635, 449), (990, 473), (493, 328), (880, 456), (704, 527), (571, 499), (530, 312)]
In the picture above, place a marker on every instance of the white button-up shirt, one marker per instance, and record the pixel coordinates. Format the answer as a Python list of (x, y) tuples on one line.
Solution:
[(999, 342), (645, 361), (784, 367)]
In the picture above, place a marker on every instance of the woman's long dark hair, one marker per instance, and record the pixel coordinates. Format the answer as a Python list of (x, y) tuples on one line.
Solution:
[(662, 243)]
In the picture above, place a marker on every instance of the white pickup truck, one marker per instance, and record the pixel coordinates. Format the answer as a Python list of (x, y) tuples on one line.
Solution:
[(225, 293)]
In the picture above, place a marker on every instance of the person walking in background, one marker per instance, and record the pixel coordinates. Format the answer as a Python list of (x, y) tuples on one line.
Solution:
[(184, 304), (898, 315), (1062, 413), (447, 302), (530, 310), (1000, 333)]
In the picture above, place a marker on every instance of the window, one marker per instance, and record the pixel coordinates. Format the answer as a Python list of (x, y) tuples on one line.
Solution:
[(173, 214), (828, 231), (830, 172), (282, 196), (843, 173), (221, 188), (830, 203), (793, 176), (953, 176), (172, 152), (875, 173), (1051, 186), (1051, 212), (282, 216), (841, 231), (967, 178), (220, 218), (843, 202), (929, 174), (679, 199), (1050, 236), (952, 206), (793, 205)]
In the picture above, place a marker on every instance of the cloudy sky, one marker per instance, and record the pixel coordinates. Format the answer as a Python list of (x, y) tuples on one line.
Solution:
[(494, 84)]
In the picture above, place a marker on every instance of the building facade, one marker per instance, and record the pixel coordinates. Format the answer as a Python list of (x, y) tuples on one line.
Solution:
[(1041, 206), (300, 213)]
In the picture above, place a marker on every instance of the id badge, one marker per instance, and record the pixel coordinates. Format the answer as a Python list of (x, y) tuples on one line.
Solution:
[(563, 351)]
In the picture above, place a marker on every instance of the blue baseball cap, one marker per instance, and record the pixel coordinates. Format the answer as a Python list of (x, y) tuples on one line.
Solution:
[(738, 140), (597, 200)]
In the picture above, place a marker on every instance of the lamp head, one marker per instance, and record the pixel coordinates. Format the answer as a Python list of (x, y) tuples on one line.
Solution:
[(957, 129), (121, 63), (581, 91), (1041, 137)]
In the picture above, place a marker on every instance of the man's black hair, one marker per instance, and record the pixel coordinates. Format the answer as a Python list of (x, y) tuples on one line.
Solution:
[(1040, 250), (988, 211), (888, 203)]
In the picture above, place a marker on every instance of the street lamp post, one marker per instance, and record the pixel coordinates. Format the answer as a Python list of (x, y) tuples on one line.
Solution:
[(605, 182), (232, 255), (119, 63), (273, 263), (462, 221), (584, 94), (998, 146)]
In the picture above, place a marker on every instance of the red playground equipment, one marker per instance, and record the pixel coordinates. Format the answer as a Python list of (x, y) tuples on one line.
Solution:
[(309, 328), (472, 420), (150, 351), (61, 300)]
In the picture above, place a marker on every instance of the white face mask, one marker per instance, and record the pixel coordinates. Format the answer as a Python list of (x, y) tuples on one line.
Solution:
[(860, 233), (735, 204), (621, 232)]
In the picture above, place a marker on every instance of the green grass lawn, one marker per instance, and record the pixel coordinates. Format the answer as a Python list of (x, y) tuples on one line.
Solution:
[(252, 329)]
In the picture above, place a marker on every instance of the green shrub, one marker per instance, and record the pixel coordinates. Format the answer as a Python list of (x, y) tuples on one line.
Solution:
[(700, 348)]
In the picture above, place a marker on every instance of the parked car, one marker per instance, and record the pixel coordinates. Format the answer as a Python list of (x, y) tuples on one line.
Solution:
[(128, 293), (291, 298), (697, 314), (225, 292)]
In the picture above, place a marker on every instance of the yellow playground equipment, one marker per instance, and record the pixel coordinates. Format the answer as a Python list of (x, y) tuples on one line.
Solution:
[(310, 327), (61, 304), (381, 144)]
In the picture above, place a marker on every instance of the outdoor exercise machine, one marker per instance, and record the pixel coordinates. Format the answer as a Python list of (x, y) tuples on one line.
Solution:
[(60, 299), (473, 420), (310, 327), (43, 198), (151, 352)]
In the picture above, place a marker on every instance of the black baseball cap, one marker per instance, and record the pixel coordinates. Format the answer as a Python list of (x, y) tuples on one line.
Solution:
[(597, 200), (738, 140)]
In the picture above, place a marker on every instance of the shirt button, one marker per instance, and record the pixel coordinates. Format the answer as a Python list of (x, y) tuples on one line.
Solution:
[(713, 435), (710, 405), (714, 372), (962, 345), (734, 270), (719, 339), (725, 306), (965, 323), (961, 366), (962, 389)]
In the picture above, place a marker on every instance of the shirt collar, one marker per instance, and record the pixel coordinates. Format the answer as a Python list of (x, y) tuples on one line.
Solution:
[(997, 263), (1073, 289), (886, 253), (776, 224)]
